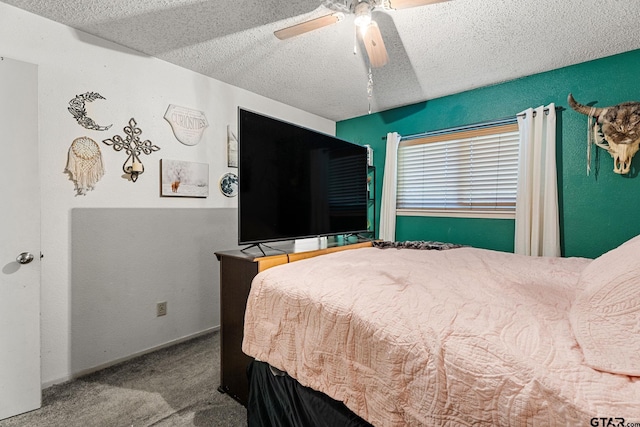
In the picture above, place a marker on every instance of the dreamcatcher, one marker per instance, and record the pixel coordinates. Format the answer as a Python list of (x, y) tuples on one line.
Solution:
[(84, 164)]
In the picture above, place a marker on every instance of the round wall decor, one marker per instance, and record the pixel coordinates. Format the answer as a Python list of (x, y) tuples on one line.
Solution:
[(229, 184)]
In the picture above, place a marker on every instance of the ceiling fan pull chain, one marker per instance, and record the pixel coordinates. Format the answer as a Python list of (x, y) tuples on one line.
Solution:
[(355, 41), (370, 88)]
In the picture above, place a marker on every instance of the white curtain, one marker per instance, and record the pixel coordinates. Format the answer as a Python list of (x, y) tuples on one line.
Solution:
[(388, 201), (537, 223)]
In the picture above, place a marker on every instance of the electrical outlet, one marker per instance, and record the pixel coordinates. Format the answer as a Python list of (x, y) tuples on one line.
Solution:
[(161, 309)]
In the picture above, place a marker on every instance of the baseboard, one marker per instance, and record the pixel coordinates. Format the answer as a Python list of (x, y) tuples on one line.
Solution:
[(82, 373)]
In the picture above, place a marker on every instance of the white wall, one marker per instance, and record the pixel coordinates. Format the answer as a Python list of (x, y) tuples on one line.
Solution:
[(134, 85)]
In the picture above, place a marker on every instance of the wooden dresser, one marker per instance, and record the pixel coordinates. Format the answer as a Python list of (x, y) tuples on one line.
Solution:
[(237, 270)]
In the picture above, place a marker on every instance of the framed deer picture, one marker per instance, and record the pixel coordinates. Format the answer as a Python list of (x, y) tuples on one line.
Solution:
[(181, 178)]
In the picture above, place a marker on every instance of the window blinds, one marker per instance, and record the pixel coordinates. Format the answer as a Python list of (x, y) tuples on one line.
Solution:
[(470, 171)]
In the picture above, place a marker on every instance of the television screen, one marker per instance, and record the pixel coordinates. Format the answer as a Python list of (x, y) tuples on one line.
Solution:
[(296, 182)]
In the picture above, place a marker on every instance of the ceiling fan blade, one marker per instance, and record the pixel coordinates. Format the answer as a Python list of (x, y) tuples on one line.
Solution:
[(374, 46), (305, 27), (406, 4)]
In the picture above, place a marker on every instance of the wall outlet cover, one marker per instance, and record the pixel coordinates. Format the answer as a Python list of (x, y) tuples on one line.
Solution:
[(161, 309)]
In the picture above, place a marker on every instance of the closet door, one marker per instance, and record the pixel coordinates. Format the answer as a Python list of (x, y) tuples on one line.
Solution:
[(20, 382)]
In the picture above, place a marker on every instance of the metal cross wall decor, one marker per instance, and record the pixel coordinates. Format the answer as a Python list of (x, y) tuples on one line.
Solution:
[(133, 147)]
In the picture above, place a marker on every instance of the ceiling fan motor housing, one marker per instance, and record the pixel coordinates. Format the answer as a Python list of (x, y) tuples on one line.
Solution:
[(344, 6), (350, 6)]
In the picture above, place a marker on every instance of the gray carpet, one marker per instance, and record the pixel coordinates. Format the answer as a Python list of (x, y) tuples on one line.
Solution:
[(175, 386)]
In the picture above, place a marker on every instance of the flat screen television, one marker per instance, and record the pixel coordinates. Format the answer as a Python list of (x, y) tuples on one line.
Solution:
[(297, 183)]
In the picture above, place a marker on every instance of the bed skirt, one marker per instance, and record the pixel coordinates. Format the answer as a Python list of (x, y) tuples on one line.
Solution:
[(280, 401)]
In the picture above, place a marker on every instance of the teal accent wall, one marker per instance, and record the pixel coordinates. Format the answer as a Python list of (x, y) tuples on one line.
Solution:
[(597, 212)]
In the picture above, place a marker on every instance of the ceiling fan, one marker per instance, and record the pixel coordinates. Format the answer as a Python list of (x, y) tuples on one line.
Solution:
[(369, 31)]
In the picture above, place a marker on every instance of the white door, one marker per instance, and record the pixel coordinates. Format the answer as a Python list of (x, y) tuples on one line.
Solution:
[(20, 389)]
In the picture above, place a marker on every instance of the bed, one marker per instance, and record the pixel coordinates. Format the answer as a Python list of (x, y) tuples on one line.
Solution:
[(457, 337)]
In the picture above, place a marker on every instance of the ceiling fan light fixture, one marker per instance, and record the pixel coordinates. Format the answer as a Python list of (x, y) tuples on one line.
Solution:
[(363, 15)]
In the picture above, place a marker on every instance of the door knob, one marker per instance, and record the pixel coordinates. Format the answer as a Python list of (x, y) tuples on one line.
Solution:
[(25, 258)]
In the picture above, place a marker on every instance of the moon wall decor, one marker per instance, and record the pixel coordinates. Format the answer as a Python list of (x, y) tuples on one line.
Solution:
[(79, 112), (229, 184)]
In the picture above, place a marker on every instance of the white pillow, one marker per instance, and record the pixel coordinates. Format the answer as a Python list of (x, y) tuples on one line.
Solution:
[(605, 316)]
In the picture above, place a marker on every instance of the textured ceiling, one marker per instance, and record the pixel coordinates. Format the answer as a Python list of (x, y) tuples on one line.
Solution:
[(434, 50)]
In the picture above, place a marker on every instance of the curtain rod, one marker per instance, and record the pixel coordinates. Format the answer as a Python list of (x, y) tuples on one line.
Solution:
[(480, 125), (524, 114), (546, 110)]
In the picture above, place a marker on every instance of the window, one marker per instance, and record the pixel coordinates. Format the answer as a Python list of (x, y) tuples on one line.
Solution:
[(471, 172)]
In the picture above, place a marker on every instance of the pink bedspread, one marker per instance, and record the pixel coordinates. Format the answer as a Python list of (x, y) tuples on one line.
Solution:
[(461, 337)]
